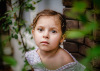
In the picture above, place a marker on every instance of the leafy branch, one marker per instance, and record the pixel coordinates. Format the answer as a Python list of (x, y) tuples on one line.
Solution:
[(14, 21)]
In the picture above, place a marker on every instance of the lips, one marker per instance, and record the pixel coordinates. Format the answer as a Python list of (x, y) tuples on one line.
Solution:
[(45, 42)]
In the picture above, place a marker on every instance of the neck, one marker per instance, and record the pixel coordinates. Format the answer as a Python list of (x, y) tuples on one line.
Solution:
[(47, 54)]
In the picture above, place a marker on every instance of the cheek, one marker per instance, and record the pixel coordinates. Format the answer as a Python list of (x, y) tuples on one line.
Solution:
[(36, 36), (56, 39)]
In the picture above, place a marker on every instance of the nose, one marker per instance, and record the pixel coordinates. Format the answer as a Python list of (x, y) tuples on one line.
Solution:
[(46, 34)]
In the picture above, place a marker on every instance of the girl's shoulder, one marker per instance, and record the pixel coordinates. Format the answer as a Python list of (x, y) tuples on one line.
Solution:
[(70, 62), (67, 57)]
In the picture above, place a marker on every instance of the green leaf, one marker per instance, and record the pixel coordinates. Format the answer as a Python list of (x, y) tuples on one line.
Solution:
[(4, 42), (39, 1), (33, 8), (28, 29), (85, 61), (22, 22), (90, 26), (21, 48), (2, 17), (32, 37), (19, 42), (16, 30), (15, 9), (25, 66), (9, 60), (28, 5), (28, 1), (31, 48), (15, 36), (15, 23), (33, 2), (74, 34), (82, 18), (79, 7), (94, 51)]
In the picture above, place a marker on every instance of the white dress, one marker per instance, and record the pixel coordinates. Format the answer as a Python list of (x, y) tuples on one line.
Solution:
[(35, 61)]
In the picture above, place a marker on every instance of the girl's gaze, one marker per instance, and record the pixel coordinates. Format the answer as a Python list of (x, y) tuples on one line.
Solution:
[(40, 29), (53, 31)]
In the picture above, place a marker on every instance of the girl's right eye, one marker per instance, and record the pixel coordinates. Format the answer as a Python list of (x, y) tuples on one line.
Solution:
[(40, 29)]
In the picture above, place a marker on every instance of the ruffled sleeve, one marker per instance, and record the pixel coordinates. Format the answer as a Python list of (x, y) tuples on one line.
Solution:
[(30, 57), (77, 67)]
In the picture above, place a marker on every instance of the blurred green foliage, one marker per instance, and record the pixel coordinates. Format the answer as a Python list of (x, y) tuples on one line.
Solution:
[(9, 60), (4, 58), (89, 23), (14, 22)]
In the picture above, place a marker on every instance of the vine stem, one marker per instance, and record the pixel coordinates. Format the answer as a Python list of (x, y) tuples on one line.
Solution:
[(17, 19)]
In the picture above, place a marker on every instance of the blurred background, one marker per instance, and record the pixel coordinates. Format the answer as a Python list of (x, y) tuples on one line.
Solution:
[(82, 35)]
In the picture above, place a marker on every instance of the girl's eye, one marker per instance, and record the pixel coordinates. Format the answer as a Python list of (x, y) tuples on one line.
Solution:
[(53, 31), (40, 29)]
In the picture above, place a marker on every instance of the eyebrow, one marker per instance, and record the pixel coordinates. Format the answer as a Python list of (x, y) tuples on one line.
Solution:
[(54, 28), (50, 27)]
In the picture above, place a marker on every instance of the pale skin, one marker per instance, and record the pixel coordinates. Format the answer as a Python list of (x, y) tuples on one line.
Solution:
[(48, 35)]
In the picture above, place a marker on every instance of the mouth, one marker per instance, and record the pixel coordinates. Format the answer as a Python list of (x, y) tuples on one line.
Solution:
[(45, 42)]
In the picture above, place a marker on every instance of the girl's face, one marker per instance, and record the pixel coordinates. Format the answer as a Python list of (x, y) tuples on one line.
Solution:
[(47, 33)]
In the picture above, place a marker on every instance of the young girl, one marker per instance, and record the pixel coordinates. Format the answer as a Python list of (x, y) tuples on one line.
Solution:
[(48, 32)]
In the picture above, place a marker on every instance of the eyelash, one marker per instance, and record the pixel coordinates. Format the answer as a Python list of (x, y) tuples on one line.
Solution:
[(53, 31)]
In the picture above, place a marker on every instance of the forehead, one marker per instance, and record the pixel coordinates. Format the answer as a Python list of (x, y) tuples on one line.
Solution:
[(49, 18), (49, 22)]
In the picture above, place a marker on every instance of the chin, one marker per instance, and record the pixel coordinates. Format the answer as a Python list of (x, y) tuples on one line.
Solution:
[(44, 49)]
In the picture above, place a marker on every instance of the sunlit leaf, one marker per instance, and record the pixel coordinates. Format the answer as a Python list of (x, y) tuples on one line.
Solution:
[(74, 34)]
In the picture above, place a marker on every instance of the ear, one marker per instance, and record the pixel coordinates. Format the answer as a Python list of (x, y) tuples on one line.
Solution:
[(33, 33), (62, 38)]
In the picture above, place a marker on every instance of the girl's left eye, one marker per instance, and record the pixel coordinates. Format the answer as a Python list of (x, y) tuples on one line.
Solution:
[(53, 31)]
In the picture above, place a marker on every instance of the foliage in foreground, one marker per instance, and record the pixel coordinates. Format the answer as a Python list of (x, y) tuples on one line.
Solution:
[(90, 24)]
